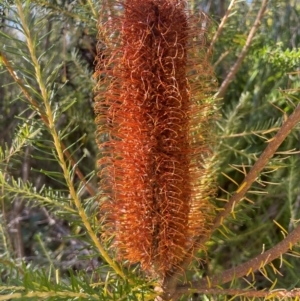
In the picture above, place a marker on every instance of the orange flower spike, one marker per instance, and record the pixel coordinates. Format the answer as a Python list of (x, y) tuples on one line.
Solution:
[(152, 168)]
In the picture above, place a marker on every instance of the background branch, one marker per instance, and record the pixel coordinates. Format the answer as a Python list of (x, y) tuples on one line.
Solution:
[(221, 27), (234, 69)]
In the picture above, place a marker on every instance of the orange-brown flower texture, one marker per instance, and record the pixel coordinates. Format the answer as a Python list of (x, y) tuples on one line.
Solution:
[(152, 130)]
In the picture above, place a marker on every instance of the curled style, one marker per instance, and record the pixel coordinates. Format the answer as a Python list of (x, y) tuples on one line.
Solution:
[(153, 118)]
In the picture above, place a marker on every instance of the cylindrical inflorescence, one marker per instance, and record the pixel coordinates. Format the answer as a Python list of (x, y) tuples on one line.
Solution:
[(153, 150)]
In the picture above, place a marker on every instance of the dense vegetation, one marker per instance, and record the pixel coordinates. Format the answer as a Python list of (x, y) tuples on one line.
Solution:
[(50, 235)]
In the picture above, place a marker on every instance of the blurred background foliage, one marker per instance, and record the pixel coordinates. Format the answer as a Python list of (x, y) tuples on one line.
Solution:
[(44, 246)]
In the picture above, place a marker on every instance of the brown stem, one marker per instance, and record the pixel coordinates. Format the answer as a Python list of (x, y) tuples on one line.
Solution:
[(234, 69), (279, 293), (246, 268), (220, 28), (22, 87), (286, 128), (18, 205), (35, 104)]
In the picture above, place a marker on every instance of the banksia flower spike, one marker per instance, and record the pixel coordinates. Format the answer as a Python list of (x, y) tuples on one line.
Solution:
[(153, 132)]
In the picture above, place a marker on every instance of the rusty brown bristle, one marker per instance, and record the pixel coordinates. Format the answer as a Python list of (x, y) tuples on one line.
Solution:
[(152, 128)]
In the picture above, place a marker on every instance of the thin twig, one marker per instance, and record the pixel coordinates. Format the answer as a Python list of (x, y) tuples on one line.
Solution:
[(22, 87), (234, 69), (18, 206), (221, 27), (247, 268)]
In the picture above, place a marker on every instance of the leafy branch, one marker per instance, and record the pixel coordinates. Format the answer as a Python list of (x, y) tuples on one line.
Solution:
[(48, 119), (270, 150), (247, 268)]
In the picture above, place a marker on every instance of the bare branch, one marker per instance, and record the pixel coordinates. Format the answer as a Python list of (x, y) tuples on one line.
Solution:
[(234, 69), (221, 27)]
